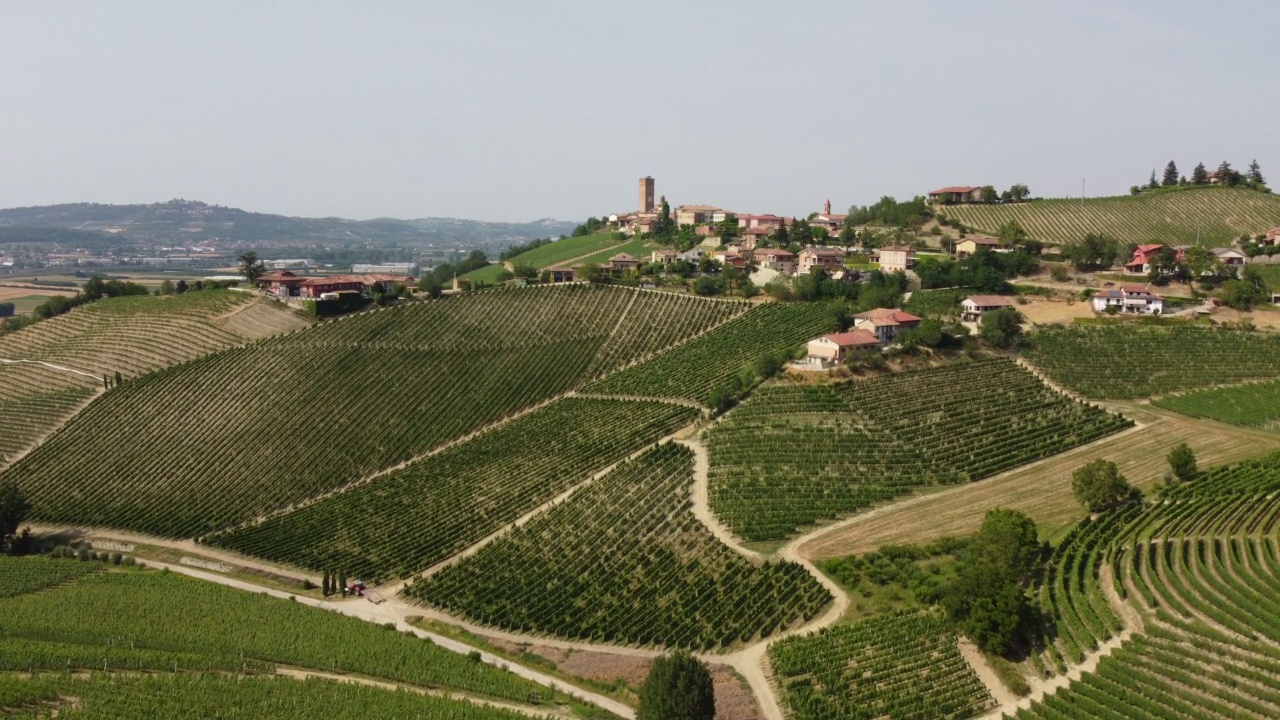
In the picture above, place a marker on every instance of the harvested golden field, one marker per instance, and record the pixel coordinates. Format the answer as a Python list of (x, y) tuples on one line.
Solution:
[(1043, 489)]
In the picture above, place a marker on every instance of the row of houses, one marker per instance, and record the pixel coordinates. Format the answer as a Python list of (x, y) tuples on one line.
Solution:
[(1144, 257)]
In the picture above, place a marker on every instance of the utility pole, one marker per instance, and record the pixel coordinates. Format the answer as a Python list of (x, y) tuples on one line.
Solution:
[(1082, 192)]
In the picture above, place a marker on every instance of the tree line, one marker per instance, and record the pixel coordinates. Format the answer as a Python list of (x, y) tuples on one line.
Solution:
[(1225, 175)]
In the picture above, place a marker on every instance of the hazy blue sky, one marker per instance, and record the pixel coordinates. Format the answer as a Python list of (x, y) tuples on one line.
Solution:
[(512, 110)]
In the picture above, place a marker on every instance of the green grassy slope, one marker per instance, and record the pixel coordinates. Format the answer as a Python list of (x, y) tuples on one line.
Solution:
[(548, 255), (1219, 215)]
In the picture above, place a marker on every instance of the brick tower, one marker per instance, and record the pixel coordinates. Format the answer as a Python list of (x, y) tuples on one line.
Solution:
[(646, 194)]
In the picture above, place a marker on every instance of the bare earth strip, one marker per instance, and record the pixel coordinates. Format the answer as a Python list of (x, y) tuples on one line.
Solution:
[(1042, 490)]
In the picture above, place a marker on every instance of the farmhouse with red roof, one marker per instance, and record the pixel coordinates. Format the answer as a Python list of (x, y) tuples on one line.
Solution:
[(956, 194), (833, 349), (885, 323)]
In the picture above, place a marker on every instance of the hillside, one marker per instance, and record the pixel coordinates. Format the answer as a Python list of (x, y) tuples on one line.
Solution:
[(557, 252), (223, 439), (49, 368), (1218, 216), (190, 221)]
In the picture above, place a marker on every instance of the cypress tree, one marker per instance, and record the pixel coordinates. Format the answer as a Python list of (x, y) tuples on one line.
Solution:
[(324, 584)]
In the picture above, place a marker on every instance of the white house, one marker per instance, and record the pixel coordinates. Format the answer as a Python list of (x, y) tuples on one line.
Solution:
[(1131, 299), (974, 307)]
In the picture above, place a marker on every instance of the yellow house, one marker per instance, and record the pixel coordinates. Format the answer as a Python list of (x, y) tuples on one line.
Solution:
[(970, 245)]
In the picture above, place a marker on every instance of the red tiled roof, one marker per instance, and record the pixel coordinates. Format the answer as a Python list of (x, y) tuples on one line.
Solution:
[(823, 251), (955, 189), (853, 338), (988, 300), (279, 276), (622, 257), (758, 231), (774, 252), (1147, 248), (980, 240), (1135, 289), (890, 314), (895, 248)]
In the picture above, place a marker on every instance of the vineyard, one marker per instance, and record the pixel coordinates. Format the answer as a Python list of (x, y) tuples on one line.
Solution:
[(162, 620), (219, 440), (28, 574), (212, 695), (130, 335), (1202, 570), (1127, 360), (625, 561), (1252, 405), (1214, 216), (695, 368), (792, 456), (901, 666), (413, 518)]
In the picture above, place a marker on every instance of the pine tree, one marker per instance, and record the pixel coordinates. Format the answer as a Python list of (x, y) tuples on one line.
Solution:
[(782, 237), (1152, 184), (1170, 174), (1255, 173), (1227, 176), (1200, 176)]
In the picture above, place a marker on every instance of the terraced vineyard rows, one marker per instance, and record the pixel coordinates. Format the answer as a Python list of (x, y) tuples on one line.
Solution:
[(218, 441), (694, 369), (1252, 405), (227, 697), (1127, 360), (179, 618), (902, 666), (791, 455), (625, 561), (24, 418), (414, 518), (131, 335), (1203, 570), (1215, 216)]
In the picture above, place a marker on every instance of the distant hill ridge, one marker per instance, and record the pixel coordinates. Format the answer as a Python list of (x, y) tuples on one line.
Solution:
[(186, 221), (1213, 216)]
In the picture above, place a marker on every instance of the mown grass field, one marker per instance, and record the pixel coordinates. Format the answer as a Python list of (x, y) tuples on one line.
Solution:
[(1216, 215)]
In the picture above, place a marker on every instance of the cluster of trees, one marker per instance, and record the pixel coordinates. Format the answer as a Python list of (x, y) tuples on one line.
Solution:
[(13, 510), (1002, 328), (592, 225), (988, 597), (726, 395), (985, 270), (1099, 486), (888, 212), (1225, 175), (1017, 192), (6, 309), (433, 281), (1094, 251)]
